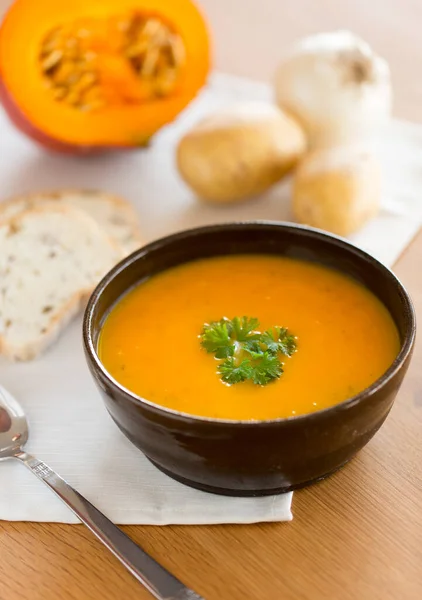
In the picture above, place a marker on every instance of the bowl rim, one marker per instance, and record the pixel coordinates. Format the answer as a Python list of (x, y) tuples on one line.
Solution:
[(405, 348)]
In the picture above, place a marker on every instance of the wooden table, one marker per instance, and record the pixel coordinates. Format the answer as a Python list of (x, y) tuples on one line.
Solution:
[(356, 536)]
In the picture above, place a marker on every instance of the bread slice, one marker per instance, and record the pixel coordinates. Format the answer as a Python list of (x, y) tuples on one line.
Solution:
[(115, 215), (51, 257)]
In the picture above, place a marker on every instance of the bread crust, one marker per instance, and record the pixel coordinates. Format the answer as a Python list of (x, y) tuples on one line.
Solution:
[(79, 252), (115, 214)]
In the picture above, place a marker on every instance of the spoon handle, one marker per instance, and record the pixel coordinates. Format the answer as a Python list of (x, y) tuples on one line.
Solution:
[(162, 584)]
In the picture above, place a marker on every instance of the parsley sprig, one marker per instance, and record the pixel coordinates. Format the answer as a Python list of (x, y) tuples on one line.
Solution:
[(246, 353)]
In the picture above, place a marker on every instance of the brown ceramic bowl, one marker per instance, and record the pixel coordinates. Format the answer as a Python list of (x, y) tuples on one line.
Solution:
[(240, 457)]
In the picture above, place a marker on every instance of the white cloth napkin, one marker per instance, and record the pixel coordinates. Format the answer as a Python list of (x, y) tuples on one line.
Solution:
[(70, 428)]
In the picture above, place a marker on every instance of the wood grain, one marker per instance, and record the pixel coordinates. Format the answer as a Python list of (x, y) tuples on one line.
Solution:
[(356, 536)]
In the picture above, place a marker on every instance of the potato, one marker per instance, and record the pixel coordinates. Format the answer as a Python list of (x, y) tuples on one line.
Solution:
[(239, 152), (337, 189)]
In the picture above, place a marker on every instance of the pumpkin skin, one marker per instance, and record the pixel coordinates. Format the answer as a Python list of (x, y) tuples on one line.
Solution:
[(129, 116), (25, 126)]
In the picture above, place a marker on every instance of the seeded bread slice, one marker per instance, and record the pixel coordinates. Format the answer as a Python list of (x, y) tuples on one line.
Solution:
[(50, 259), (115, 215)]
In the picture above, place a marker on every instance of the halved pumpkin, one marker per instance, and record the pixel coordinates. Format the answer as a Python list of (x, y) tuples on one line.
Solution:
[(83, 74)]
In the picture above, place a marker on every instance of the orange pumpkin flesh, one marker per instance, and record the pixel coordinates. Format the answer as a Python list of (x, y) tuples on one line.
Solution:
[(100, 73)]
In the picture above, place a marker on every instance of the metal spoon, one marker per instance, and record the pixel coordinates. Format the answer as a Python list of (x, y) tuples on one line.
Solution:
[(14, 435)]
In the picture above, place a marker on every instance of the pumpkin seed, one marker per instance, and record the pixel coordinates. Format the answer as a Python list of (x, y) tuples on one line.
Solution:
[(68, 60), (150, 62), (51, 60)]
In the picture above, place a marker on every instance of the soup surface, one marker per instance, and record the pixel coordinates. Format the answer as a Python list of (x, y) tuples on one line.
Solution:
[(346, 338)]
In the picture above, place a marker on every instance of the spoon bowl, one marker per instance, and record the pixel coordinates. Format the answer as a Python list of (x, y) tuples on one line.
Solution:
[(13, 426)]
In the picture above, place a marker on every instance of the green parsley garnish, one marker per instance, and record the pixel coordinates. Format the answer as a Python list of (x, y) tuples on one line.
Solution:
[(231, 372), (245, 352)]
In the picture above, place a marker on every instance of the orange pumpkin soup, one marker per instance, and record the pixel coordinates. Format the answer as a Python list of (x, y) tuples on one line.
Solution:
[(345, 337)]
